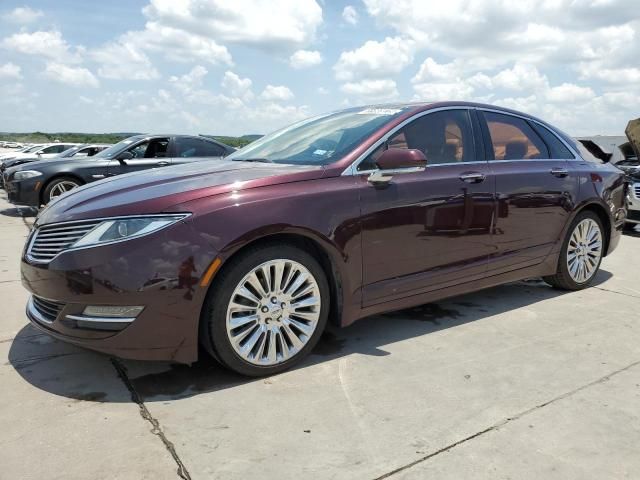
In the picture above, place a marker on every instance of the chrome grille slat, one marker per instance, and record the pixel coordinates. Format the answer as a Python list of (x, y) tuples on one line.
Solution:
[(636, 190), (49, 240), (47, 308)]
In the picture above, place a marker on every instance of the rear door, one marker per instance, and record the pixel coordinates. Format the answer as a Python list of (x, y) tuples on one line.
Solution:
[(535, 189), (191, 149)]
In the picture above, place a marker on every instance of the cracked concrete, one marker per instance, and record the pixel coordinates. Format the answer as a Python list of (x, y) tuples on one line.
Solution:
[(518, 381)]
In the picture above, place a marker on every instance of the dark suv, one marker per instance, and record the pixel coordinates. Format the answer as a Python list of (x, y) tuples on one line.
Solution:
[(335, 218), (37, 183)]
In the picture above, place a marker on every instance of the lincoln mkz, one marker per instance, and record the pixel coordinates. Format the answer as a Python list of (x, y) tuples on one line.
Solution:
[(332, 219)]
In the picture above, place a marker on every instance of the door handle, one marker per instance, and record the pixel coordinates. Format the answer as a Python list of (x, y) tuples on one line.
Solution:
[(559, 172), (162, 164), (472, 177)]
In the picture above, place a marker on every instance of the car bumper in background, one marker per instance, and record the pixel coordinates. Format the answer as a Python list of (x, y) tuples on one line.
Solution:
[(25, 192)]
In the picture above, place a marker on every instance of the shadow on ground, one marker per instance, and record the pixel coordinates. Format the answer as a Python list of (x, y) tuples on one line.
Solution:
[(19, 212), (76, 373)]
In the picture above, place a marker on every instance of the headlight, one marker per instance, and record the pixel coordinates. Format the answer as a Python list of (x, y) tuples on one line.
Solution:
[(24, 174), (119, 229)]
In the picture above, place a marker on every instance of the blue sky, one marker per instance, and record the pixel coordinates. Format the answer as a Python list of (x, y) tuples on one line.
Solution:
[(250, 66)]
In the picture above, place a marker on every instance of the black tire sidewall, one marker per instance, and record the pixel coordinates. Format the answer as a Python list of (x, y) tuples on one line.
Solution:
[(563, 267), (214, 318)]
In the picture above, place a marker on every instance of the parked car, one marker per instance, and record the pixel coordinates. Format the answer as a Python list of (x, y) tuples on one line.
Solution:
[(38, 183), (77, 151), (27, 149), (335, 218), (48, 150), (633, 174)]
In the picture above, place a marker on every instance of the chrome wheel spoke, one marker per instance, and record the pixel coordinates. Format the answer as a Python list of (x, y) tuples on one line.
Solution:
[(273, 312), (240, 321), (584, 250)]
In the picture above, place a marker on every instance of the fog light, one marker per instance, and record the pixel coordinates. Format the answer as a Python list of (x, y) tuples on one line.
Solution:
[(112, 311)]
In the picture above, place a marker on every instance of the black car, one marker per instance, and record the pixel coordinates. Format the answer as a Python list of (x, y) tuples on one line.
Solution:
[(37, 183)]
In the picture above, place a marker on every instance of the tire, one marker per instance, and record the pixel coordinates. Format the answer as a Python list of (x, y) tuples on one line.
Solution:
[(577, 278), (276, 338), (57, 187)]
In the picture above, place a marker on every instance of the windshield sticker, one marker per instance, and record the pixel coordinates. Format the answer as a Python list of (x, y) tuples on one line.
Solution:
[(379, 111)]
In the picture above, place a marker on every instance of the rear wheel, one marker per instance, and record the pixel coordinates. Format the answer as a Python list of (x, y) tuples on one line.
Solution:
[(581, 253), (267, 310), (57, 187)]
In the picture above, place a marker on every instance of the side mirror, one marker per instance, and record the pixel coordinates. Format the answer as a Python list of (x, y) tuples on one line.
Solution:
[(124, 156), (396, 161)]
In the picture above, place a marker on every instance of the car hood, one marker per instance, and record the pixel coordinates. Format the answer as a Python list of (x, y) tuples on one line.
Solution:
[(633, 134), (156, 190)]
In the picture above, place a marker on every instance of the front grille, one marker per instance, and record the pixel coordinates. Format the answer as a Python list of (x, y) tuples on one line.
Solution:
[(633, 215), (50, 240), (47, 308), (636, 190)]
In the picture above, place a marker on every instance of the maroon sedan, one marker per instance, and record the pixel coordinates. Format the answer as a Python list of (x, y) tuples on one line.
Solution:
[(334, 218)]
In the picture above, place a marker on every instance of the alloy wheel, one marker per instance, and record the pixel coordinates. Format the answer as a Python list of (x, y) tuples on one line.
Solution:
[(60, 188), (273, 312), (584, 250)]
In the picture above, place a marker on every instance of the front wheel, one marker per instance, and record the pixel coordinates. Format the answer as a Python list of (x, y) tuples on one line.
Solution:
[(266, 310), (581, 253), (57, 187)]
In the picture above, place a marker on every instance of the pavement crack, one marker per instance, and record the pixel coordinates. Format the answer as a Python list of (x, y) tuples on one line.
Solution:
[(9, 281), (30, 361), (121, 370), (507, 420), (615, 291)]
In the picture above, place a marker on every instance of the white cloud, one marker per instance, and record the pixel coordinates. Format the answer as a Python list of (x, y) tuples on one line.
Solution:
[(23, 15), (237, 86), (178, 45), (350, 15), (378, 90), (190, 81), (74, 76), (124, 61), (10, 70), (282, 25), (569, 93), (322, 91), (278, 93), (375, 59), (520, 77), (49, 44), (305, 59)]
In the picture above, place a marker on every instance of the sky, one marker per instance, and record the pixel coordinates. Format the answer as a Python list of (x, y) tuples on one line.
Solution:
[(234, 67)]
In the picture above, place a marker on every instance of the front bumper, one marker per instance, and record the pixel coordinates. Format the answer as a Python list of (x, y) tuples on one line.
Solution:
[(125, 274), (23, 192), (633, 204)]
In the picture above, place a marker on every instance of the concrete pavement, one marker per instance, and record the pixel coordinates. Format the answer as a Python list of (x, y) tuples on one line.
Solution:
[(519, 381)]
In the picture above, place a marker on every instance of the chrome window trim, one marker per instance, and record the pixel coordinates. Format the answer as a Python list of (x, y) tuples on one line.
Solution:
[(37, 227), (537, 122), (352, 169)]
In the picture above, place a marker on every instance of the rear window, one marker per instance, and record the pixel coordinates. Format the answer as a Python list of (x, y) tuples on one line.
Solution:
[(556, 147), (513, 139)]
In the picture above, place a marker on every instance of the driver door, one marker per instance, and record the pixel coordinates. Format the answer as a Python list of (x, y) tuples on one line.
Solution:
[(426, 230), (150, 153)]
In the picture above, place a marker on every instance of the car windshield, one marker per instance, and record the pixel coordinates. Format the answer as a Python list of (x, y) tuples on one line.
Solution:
[(319, 140), (31, 149), (115, 149), (70, 151)]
